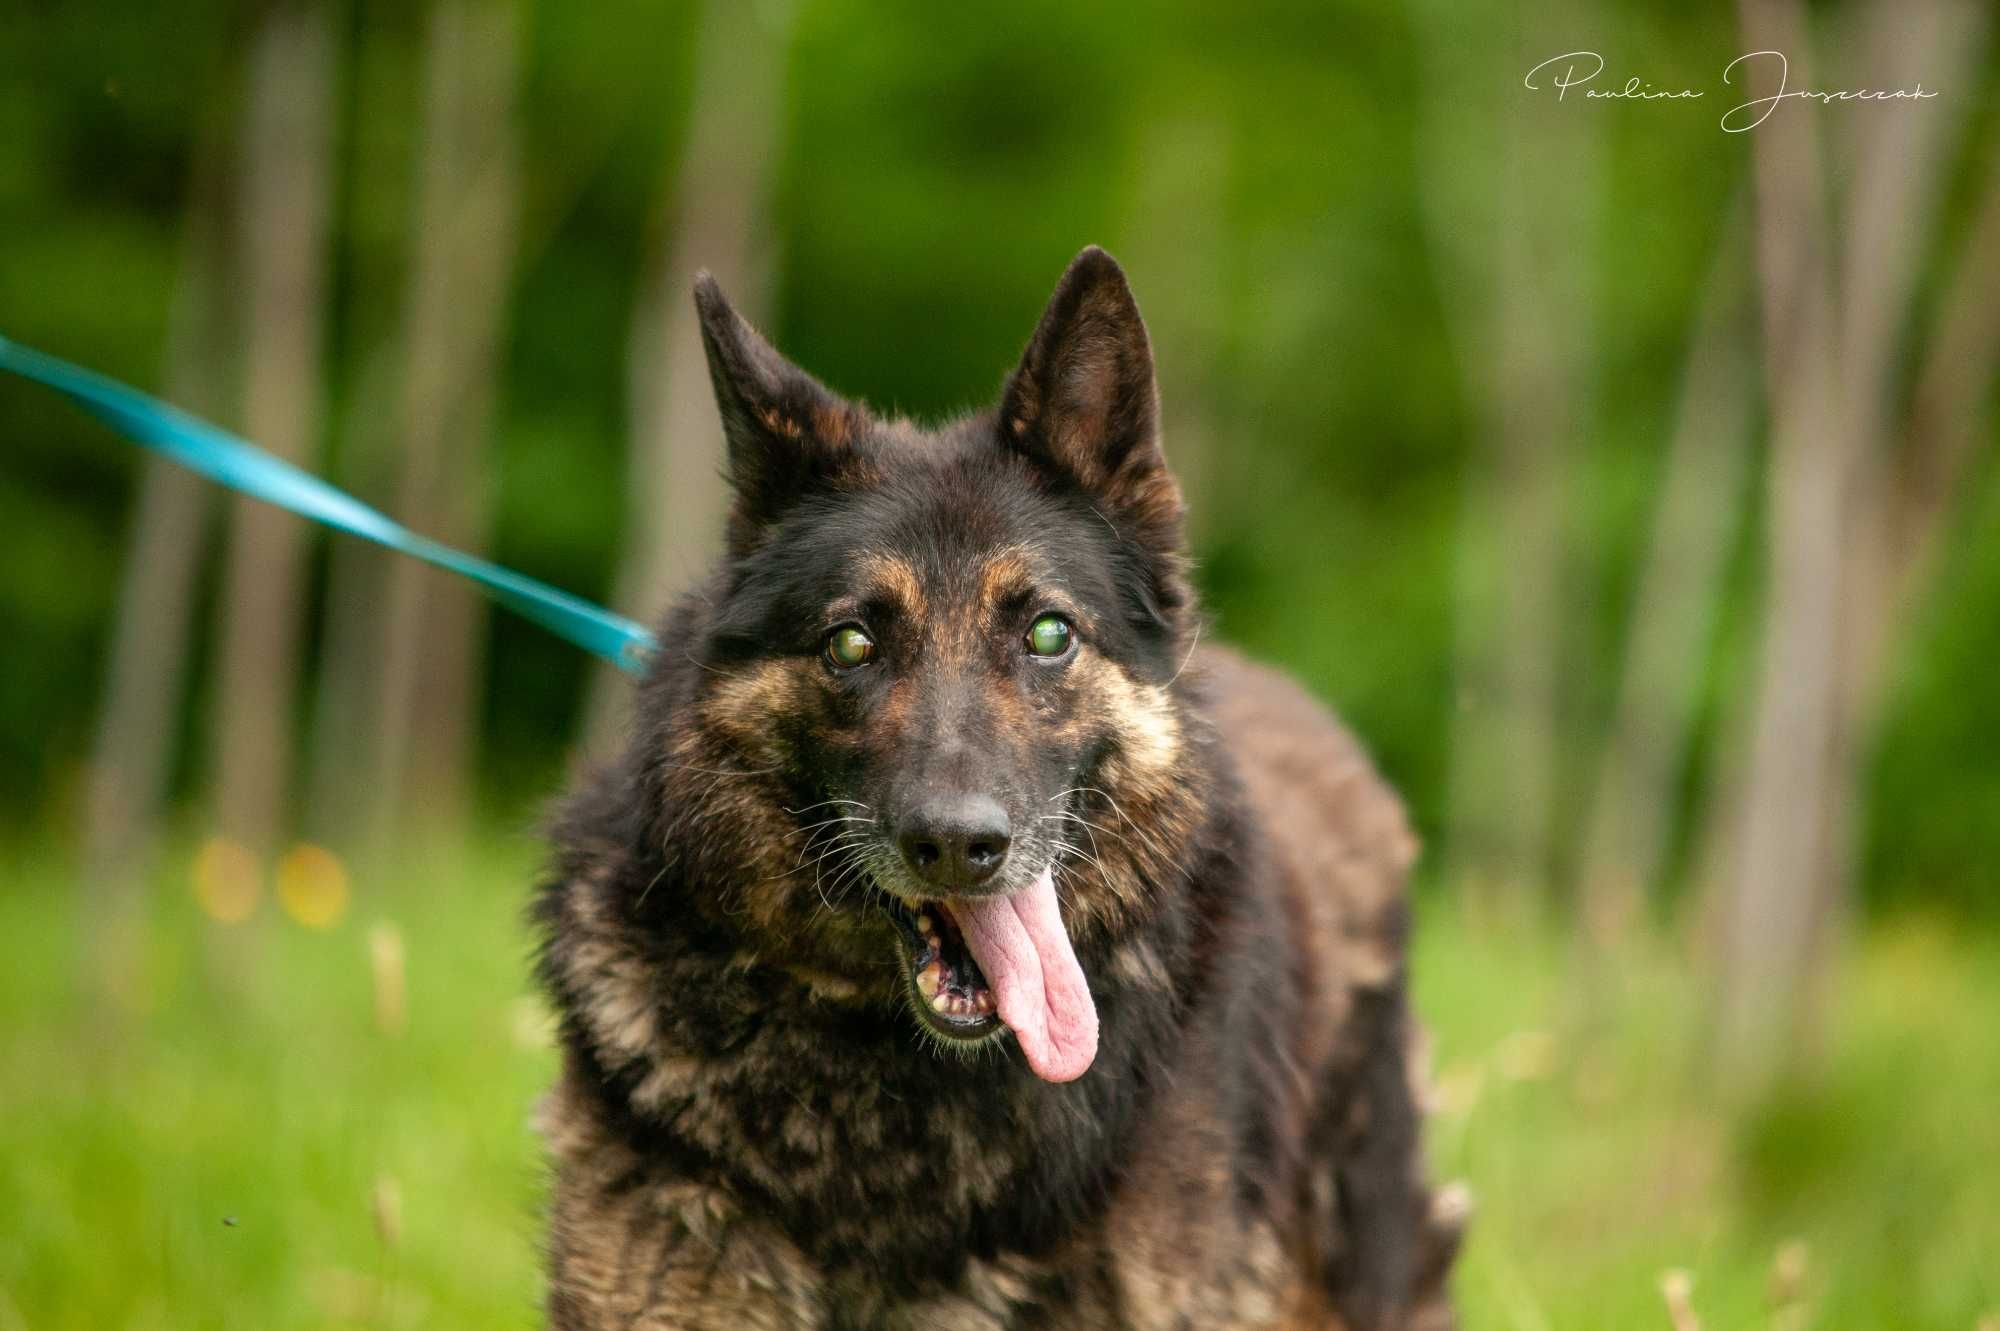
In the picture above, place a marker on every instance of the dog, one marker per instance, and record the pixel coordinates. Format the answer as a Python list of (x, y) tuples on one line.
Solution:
[(958, 942)]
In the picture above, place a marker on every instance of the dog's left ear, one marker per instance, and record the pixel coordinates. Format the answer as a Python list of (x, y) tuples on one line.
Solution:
[(1083, 402), (787, 433)]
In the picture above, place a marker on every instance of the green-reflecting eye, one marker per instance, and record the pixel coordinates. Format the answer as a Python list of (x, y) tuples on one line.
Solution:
[(1049, 636), (848, 647)]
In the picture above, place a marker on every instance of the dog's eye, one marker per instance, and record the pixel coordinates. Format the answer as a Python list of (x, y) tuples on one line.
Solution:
[(848, 647), (1048, 636)]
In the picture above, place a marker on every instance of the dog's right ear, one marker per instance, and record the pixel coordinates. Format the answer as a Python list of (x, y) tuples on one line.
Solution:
[(786, 432)]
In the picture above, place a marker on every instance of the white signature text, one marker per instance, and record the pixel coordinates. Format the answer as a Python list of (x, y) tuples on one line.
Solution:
[(1577, 70)]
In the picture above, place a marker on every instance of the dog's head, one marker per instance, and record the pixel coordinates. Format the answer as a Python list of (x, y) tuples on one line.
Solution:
[(934, 681)]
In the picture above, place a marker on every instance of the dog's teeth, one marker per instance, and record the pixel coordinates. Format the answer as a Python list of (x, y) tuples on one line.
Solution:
[(927, 982), (923, 924), (940, 1002)]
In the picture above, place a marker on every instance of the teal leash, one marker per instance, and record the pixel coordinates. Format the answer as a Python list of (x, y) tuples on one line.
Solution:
[(240, 465)]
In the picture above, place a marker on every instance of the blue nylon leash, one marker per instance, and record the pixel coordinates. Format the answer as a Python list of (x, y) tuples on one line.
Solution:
[(240, 465)]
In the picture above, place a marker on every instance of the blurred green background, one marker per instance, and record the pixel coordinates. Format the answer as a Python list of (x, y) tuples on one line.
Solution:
[(1626, 483)]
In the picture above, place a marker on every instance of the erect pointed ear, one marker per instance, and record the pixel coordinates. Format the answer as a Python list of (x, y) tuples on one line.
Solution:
[(786, 432), (1082, 401)]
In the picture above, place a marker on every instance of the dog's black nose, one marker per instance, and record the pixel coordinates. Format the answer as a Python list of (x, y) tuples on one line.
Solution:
[(955, 842)]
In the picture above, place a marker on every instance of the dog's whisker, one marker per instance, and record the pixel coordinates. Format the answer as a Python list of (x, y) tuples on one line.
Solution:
[(845, 841), (690, 658), (1092, 856), (1190, 654), (814, 835), (1138, 831), (824, 823), (723, 772), (839, 843), (1062, 900), (800, 865), (859, 804), (652, 883), (1090, 829), (847, 878)]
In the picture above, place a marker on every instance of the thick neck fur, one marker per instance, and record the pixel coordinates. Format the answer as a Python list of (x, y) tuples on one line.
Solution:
[(812, 1098)]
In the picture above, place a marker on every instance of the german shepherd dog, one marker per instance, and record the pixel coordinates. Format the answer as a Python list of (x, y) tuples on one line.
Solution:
[(959, 944)]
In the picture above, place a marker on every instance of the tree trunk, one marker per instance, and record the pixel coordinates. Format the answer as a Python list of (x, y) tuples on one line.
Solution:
[(1943, 432), (286, 173), (464, 251), (132, 757), (1513, 217), (1918, 488), (1700, 510), (1902, 159), (1828, 365), (674, 523), (1945, 426), (344, 725)]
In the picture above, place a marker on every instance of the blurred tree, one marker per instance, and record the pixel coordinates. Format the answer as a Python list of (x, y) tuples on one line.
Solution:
[(1832, 324), (145, 690), (1948, 419), (1700, 510), (720, 190), (1513, 212), (342, 774), (379, 182), (1179, 245), (286, 179), (463, 235)]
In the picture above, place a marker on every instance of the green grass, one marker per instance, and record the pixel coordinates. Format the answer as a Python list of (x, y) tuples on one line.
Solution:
[(205, 1144), (1601, 1154), (238, 1076)]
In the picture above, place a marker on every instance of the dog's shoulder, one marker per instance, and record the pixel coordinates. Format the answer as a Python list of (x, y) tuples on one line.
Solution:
[(1338, 841), (1309, 781)]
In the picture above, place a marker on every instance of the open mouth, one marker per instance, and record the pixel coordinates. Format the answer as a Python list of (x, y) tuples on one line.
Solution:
[(981, 964), (947, 988)]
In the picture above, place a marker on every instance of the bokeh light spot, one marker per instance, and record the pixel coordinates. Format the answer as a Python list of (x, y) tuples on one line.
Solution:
[(312, 886), (228, 881)]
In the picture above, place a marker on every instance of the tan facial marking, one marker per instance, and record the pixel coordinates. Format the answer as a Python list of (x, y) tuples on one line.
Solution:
[(893, 577), (1005, 570), (1130, 845), (742, 705), (1148, 728)]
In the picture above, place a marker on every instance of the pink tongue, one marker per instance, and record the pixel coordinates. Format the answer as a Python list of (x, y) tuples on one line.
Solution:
[(1020, 944)]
